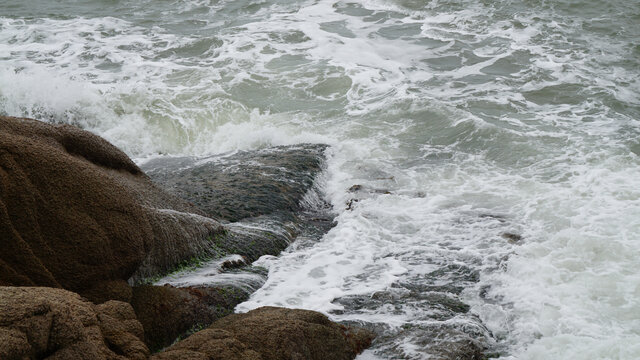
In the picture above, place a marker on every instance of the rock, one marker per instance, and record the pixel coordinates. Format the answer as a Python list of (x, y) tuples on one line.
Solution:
[(243, 184), (444, 341), (442, 306), (272, 333), (513, 238), (267, 194), (355, 188), (167, 312), (121, 329), (443, 326), (233, 264), (351, 204), (364, 192), (178, 237), (13, 344), (58, 324), (210, 344), (279, 333), (76, 212)]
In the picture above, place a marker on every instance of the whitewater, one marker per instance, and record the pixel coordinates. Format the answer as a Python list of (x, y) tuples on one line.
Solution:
[(485, 154)]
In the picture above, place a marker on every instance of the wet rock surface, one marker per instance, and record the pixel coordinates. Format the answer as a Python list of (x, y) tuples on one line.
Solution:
[(271, 333), (429, 311), (49, 323), (455, 340), (209, 344), (168, 312), (268, 197), (109, 290)]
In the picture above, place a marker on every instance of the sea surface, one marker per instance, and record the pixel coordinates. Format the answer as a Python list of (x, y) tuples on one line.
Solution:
[(496, 145)]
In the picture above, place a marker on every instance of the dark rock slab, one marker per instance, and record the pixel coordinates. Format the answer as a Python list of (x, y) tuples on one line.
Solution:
[(268, 199), (265, 193), (243, 184)]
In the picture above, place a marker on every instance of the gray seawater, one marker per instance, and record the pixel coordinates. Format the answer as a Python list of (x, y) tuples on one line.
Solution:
[(496, 145)]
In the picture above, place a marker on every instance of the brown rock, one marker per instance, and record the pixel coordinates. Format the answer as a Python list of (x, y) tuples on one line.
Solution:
[(271, 333), (121, 329), (210, 344), (279, 333), (58, 324), (245, 184), (76, 212)]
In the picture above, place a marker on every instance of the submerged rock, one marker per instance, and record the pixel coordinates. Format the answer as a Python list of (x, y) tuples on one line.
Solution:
[(271, 333), (76, 212), (58, 324), (363, 192), (443, 327), (513, 238)]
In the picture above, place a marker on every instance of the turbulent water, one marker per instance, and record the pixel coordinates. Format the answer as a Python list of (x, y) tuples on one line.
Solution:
[(496, 145)]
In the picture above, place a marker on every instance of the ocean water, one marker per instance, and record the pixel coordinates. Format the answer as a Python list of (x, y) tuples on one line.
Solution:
[(496, 145)]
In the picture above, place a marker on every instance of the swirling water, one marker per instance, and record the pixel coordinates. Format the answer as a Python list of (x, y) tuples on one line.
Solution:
[(496, 145)]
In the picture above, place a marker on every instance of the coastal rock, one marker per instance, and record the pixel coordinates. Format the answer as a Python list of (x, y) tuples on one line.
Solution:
[(243, 184), (271, 333), (448, 341), (48, 323), (76, 212), (268, 198), (209, 344), (167, 312), (267, 195), (109, 290)]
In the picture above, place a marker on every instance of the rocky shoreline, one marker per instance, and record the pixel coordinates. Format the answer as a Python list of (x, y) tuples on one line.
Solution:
[(85, 233)]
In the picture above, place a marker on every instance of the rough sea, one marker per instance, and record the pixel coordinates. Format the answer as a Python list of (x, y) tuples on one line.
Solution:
[(495, 145)]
